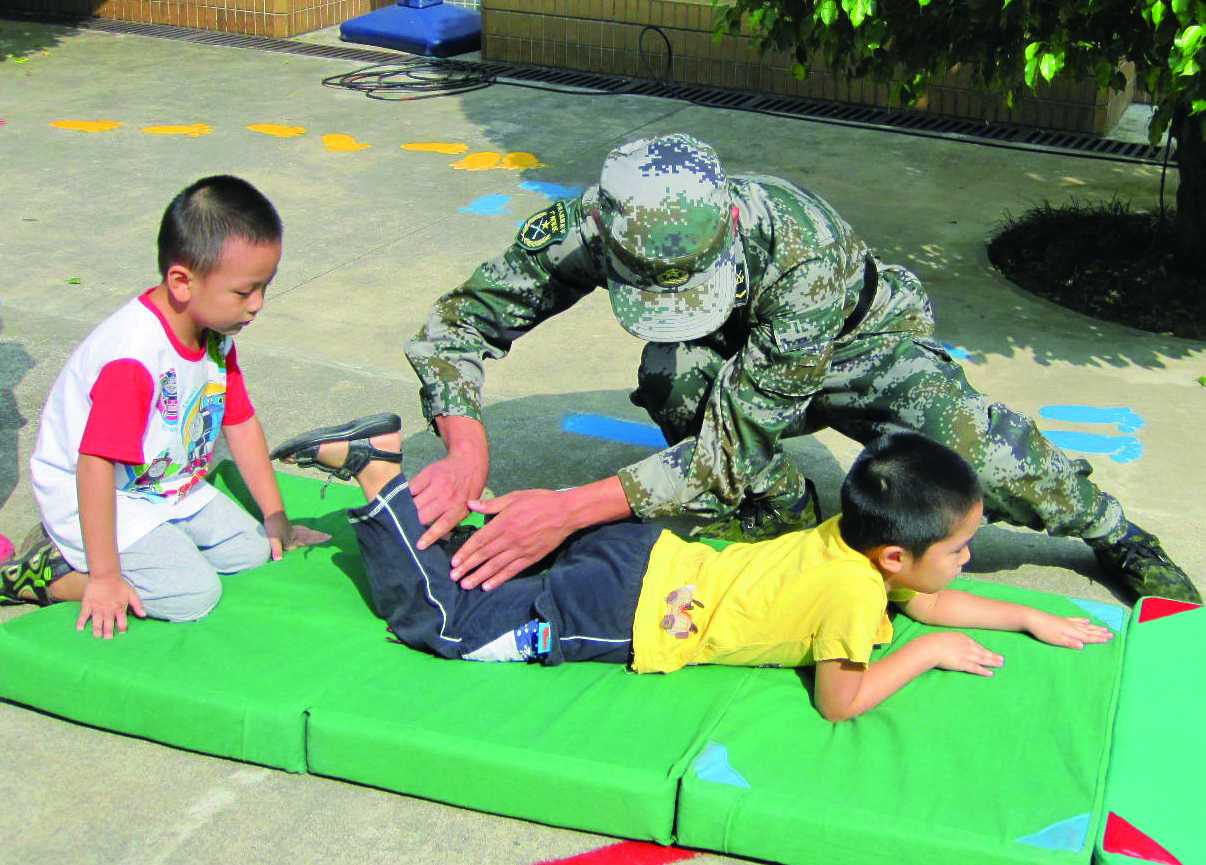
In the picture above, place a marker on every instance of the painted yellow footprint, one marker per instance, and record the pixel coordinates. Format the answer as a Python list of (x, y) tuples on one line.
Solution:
[(191, 130), (276, 130), (488, 160), (337, 142), (450, 148), (87, 125)]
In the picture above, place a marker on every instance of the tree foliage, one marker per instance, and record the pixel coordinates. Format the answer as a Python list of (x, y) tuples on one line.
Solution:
[(1011, 45)]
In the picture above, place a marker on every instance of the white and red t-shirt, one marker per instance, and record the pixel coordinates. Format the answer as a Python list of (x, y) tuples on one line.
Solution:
[(134, 394)]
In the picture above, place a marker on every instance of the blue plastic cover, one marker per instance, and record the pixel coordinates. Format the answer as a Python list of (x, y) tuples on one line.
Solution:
[(436, 31)]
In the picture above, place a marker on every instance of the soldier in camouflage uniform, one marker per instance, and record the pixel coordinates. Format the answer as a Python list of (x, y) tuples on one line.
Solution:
[(765, 317)]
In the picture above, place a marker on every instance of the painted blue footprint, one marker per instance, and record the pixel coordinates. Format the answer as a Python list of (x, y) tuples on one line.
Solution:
[(1124, 419), (488, 205), (551, 191), (1121, 449), (614, 429)]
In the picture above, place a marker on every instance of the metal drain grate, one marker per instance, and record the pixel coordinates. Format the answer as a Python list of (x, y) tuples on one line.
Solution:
[(887, 119)]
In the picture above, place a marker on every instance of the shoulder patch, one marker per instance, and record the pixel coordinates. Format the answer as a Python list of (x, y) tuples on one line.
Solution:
[(544, 228)]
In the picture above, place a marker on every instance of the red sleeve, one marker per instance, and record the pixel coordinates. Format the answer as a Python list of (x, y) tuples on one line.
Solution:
[(121, 404), (238, 403)]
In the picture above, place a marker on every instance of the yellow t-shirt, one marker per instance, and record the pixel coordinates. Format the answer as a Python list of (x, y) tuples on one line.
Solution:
[(791, 601)]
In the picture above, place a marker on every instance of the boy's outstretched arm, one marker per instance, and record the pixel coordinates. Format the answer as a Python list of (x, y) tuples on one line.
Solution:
[(956, 609), (106, 595), (845, 689), (249, 448)]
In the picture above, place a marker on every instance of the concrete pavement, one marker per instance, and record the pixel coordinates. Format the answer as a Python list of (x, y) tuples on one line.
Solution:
[(373, 234)]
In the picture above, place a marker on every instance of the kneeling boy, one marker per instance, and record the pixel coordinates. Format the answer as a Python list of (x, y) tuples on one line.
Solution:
[(633, 594), (129, 429)]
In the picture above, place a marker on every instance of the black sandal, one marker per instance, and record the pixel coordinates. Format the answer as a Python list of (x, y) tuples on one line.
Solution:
[(303, 449)]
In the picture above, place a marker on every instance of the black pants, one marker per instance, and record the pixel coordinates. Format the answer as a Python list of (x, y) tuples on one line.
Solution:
[(588, 594)]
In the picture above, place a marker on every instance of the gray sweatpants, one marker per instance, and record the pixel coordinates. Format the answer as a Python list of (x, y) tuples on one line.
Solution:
[(175, 568)]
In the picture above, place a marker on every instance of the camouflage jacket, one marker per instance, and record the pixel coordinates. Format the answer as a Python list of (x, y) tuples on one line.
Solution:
[(804, 268)]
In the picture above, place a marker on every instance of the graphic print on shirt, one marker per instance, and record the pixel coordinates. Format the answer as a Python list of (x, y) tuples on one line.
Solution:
[(677, 620), (149, 476), (200, 427), (193, 420), (168, 404)]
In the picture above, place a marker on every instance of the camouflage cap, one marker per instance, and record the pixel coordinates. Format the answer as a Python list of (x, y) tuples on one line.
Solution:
[(666, 216)]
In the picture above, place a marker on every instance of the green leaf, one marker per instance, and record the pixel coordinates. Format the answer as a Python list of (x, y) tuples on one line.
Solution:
[(1202, 380), (1179, 7), (827, 12), (1005, 5), (1050, 64), (1157, 10), (1190, 39), (1032, 50), (799, 71), (1197, 106), (857, 12), (923, 3), (1191, 67), (75, 280), (1031, 69)]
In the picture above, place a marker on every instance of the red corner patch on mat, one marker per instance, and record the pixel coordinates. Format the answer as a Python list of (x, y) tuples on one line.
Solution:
[(1158, 608), (1122, 837), (630, 853)]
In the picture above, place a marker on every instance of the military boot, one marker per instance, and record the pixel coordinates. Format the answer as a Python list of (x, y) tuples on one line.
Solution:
[(1137, 562), (760, 521)]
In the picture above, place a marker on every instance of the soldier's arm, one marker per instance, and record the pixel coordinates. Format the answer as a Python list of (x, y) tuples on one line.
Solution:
[(759, 393), (544, 272), (503, 299)]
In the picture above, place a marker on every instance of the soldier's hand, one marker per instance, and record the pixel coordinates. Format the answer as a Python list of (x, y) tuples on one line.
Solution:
[(442, 491), (527, 526)]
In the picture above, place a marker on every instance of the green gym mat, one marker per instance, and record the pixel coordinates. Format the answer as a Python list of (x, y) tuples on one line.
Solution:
[(588, 746), (236, 684), (1154, 798), (952, 769), (293, 670)]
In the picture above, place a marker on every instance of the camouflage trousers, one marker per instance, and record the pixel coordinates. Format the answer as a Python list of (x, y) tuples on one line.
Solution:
[(890, 375)]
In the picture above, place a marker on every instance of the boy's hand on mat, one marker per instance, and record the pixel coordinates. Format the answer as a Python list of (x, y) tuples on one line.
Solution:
[(105, 601), (959, 652), (527, 526), (1069, 633), (283, 535), (304, 536), (442, 491)]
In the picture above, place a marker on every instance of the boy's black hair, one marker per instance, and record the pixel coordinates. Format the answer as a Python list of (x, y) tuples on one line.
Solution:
[(905, 490), (201, 218)]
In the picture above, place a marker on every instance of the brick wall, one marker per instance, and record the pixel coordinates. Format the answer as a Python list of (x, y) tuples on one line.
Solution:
[(605, 36), (278, 18)]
